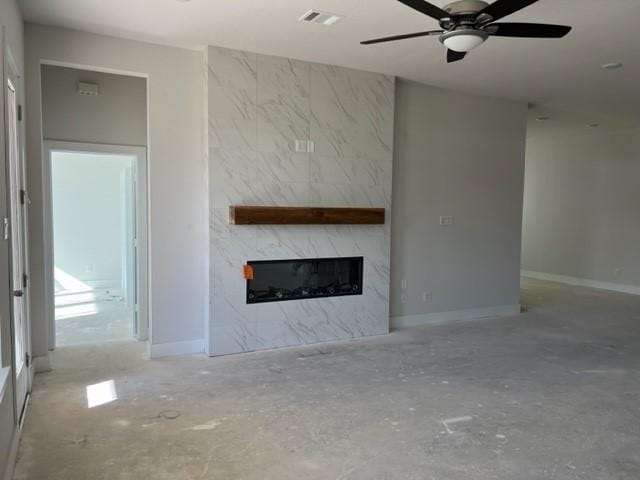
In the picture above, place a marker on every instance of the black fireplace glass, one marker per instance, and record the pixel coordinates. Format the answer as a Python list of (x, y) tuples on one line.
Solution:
[(280, 280)]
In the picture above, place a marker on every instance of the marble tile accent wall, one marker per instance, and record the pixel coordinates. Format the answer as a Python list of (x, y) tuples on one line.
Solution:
[(258, 106)]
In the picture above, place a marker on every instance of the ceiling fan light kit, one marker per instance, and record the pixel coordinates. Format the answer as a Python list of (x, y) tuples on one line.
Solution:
[(467, 24), (463, 40)]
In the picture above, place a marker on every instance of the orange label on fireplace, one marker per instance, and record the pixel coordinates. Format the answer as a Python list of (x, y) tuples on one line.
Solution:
[(248, 272)]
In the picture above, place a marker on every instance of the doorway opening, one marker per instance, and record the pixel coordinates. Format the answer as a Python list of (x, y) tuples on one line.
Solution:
[(94, 217), (94, 130)]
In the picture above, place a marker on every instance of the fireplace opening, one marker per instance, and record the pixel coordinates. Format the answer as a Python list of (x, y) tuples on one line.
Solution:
[(280, 280)]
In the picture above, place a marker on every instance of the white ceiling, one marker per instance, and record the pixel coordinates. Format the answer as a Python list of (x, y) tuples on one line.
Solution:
[(560, 74)]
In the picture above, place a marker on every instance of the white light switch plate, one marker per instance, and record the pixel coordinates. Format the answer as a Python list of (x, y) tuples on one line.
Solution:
[(446, 220)]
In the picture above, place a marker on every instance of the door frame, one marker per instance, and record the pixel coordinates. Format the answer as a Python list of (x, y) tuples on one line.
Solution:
[(21, 385), (141, 311)]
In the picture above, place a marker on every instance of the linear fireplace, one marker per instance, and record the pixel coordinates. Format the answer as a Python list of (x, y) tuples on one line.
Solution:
[(280, 280)]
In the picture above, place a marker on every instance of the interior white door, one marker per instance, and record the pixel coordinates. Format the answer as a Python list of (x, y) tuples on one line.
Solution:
[(18, 240)]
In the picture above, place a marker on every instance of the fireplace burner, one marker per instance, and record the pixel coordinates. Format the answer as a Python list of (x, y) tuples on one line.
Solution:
[(280, 280)]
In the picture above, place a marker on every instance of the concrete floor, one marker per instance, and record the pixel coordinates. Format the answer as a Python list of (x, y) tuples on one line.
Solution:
[(551, 394), (91, 316)]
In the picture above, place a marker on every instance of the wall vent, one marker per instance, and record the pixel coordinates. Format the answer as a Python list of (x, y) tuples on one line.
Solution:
[(89, 89), (323, 18)]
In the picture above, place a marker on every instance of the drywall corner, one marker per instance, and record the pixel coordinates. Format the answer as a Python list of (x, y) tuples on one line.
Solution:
[(42, 363)]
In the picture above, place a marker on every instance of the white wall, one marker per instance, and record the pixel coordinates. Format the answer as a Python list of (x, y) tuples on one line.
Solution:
[(11, 24), (177, 174), (582, 204), (462, 156), (88, 204), (117, 116)]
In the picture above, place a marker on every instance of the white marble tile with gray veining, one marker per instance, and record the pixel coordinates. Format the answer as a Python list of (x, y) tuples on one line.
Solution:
[(282, 167), (331, 241), (258, 107), (283, 103), (232, 98), (352, 195), (332, 140), (333, 97), (376, 110), (231, 164), (349, 170), (235, 339), (293, 194), (232, 84), (282, 242), (232, 313)]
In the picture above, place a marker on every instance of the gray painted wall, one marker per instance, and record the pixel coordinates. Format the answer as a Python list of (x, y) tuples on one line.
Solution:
[(117, 116), (11, 20), (178, 258), (582, 205), (462, 156)]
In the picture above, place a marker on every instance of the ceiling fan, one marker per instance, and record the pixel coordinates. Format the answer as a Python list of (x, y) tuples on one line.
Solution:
[(466, 24)]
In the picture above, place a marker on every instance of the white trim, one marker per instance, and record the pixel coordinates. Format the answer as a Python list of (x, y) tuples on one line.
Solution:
[(582, 282), (13, 454), (42, 363), (176, 348), (439, 318), (5, 378), (142, 226), (91, 68)]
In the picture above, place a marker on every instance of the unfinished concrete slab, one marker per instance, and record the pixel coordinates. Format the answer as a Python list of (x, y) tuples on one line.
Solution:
[(551, 394)]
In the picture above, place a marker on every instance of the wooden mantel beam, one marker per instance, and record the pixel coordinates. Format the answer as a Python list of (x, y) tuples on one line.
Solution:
[(255, 215)]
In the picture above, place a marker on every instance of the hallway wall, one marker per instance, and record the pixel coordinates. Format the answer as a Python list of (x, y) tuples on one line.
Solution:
[(177, 175), (118, 115), (582, 205), (87, 237)]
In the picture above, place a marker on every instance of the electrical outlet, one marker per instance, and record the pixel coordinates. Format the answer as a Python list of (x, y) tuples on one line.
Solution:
[(404, 298), (426, 297), (446, 220)]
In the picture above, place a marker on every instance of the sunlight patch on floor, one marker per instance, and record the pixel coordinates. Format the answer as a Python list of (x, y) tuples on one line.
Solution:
[(101, 393)]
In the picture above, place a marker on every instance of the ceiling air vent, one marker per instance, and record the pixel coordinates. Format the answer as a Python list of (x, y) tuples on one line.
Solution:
[(323, 18), (89, 89)]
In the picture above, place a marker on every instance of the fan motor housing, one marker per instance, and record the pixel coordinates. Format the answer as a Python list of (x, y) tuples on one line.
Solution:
[(465, 7)]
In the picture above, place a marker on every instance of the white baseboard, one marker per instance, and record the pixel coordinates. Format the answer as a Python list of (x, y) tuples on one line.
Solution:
[(12, 458), (13, 454), (105, 283), (42, 363), (582, 282), (176, 348), (452, 316)]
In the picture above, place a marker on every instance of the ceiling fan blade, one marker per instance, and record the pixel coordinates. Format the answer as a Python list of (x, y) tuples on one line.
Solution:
[(502, 8), (402, 37), (453, 56), (426, 8), (528, 30)]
